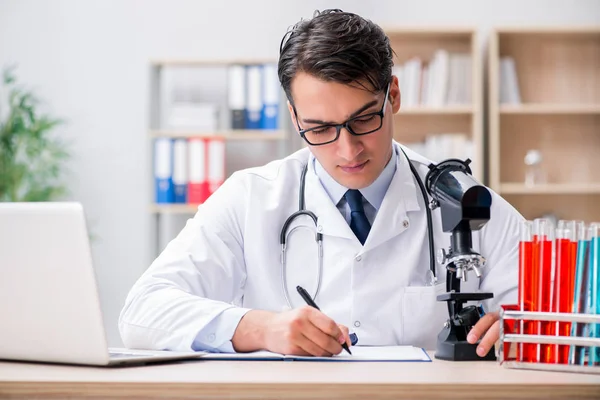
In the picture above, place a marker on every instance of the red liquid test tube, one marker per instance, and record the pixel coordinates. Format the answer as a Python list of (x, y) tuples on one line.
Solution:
[(524, 350), (564, 281), (544, 295)]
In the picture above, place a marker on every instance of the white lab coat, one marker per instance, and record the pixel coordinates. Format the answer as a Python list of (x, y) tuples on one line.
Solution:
[(227, 260)]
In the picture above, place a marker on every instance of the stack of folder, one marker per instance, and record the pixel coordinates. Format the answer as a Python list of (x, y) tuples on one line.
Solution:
[(253, 96), (188, 171)]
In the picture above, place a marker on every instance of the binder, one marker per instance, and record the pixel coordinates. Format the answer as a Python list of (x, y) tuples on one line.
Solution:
[(438, 92), (216, 164), (180, 172), (270, 111), (163, 170), (197, 182), (237, 96), (254, 102)]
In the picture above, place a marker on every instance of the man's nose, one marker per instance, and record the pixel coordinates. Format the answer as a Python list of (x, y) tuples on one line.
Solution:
[(348, 145)]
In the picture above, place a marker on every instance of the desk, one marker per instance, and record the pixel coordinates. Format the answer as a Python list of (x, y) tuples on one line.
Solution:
[(294, 380)]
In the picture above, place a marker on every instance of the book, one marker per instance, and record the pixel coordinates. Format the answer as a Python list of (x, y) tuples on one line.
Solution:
[(509, 84), (237, 96), (198, 190), (270, 93), (180, 173), (254, 97), (215, 151), (359, 354), (163, 170)]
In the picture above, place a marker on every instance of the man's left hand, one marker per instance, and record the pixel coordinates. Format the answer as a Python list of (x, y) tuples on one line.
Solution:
[(489, 327)]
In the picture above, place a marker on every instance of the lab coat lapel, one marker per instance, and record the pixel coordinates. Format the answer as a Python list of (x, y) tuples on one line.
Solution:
[(400, 199), (330, 220)]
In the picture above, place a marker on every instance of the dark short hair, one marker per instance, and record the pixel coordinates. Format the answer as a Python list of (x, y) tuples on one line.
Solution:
[(336, 46)]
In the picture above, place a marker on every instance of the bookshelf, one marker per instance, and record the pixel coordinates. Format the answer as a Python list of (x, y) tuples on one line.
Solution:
[(557, 73), (422, 118), (244, 147), (205, 83)]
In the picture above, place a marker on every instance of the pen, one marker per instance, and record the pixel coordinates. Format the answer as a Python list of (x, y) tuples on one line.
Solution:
[(304, 294)]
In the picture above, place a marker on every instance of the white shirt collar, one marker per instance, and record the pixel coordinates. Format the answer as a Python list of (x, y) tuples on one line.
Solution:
[(374, 193)]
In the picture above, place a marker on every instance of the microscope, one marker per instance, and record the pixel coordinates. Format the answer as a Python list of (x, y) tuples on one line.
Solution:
[(465, 206)]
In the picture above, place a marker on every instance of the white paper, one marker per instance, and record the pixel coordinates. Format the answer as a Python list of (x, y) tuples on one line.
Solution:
[(359, 353), (376, 353), (244, 356)]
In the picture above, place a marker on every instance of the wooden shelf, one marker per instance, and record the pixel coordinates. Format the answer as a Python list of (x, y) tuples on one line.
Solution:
[(551, 188), (417, 123), (549, 30), (562, 206), (450, 110), (227, 135), (558, 78), (539, 108), (173, 208)]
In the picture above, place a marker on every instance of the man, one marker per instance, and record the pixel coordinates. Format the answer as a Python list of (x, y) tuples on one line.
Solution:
[(220, 285)]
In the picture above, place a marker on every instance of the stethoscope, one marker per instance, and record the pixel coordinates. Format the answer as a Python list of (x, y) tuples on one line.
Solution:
[(302, 211)]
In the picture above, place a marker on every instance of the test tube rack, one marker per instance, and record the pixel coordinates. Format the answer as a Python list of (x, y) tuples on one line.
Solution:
[(510, 340)]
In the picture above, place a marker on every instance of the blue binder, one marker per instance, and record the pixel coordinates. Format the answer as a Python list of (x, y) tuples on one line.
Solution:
[(180, 176), (254, 101), (271, 90), (163, 170)]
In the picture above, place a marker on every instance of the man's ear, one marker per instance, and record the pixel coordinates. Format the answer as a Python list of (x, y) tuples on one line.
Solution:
[(395, 94)]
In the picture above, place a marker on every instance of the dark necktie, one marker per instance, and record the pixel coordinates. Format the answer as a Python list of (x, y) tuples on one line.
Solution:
[(358, 220)]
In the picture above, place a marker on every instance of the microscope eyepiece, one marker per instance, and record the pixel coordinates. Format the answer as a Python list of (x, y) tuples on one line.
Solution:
[(462, 199)]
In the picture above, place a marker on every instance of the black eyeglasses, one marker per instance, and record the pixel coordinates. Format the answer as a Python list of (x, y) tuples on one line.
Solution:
[(360, 125)]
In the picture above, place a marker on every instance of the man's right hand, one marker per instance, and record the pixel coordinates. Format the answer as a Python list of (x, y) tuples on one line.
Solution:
[(302, 331)]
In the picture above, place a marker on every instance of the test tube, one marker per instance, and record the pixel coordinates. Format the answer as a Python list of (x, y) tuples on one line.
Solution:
[(525, 351), (564, 279), (542, 245), (594, 295), (580, 288)]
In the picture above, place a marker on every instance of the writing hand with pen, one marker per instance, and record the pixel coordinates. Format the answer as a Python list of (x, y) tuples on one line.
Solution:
[(304, 331)]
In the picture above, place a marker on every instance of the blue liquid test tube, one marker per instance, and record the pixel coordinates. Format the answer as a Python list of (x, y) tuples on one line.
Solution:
[(594, 356), (581, 275)]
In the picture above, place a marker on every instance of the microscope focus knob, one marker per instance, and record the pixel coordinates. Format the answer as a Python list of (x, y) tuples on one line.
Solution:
[(468, 316), (442, 256)]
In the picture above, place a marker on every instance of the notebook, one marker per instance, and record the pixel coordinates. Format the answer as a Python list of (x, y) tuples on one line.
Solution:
[(359, 353)]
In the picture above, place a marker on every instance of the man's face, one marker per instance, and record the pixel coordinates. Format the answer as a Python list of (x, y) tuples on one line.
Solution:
[(353, 161)]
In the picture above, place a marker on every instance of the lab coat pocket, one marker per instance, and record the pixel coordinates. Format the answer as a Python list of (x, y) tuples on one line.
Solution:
[(423, 315)]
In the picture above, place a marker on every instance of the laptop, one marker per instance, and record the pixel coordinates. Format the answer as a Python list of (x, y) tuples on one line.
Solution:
[(49, 304)]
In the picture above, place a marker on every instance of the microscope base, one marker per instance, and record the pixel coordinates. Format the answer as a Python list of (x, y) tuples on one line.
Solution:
[(461, 351), (451, 346), (451, 342)]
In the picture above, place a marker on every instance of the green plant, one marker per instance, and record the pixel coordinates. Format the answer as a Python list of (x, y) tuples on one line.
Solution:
[(31, 157)]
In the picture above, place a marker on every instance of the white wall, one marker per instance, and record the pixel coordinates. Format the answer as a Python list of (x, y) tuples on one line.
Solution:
[(89, 61)]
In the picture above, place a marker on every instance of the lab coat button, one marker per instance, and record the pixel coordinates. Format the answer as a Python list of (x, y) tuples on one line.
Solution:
[(319, 228), (405, 223), (357, 324), (211, 337), (358, 258)]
